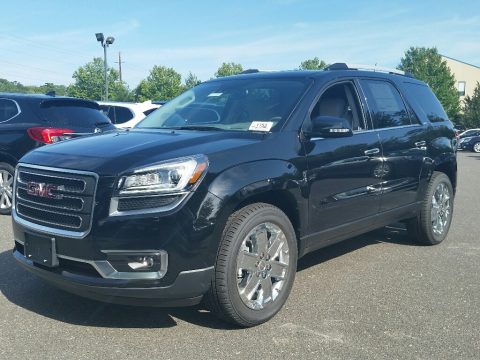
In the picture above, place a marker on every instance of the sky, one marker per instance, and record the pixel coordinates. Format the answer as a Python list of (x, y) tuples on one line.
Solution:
[(46, 41)]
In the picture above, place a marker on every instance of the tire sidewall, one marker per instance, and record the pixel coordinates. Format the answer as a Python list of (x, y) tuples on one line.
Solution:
[(275, 216), (473, 147), (11, 170), (437, 238)]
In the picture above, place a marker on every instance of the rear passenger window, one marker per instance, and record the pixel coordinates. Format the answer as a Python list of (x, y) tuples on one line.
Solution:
[(122, 115), (8, 109), (427, 101), (385, 103)]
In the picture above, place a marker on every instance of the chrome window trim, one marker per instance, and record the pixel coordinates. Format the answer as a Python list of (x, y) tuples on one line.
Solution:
[(19, 110), (47, 229), (372, 130)]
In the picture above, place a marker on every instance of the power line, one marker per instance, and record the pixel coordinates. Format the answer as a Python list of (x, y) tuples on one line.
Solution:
[(39, 44)]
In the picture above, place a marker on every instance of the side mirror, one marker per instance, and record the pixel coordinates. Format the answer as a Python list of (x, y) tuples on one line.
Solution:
[(329, 127)]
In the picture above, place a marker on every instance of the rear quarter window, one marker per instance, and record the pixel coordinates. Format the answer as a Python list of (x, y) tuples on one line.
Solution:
[(427, 102), (72, 115)]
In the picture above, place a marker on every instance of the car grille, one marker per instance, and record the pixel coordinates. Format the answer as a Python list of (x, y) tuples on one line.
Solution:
[(54, 198)]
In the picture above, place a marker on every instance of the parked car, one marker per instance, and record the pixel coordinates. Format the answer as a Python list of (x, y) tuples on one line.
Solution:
[(468, 137), (216, 195), (127, 115), (470, 143), (28, 121)]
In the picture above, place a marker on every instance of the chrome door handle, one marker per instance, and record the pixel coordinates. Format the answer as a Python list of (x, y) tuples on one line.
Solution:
[(422, 145), (371, 152)]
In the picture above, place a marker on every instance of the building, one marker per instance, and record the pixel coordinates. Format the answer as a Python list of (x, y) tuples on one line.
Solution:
[(466, 76)]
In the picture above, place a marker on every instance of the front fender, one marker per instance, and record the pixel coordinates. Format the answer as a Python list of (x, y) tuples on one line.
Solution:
[(245, 180)]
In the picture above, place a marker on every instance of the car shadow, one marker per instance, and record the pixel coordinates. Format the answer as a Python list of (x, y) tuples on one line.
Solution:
[(396, 233), (25, 290)]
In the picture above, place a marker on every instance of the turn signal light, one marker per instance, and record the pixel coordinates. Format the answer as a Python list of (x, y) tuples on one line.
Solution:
[(48, 135)]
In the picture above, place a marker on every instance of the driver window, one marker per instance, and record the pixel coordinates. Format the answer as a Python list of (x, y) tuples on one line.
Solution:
[(341, 101)]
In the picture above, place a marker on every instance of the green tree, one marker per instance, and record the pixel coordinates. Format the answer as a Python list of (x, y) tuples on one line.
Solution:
[(15, 86), (11, 86), (426, 64), (163, 83), (90, 83), (471, 109), (227, 69), (191, 81), (60, 90), (313, 64)]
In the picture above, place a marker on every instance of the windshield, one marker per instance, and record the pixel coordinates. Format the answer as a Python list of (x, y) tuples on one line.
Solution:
[(230, 104)]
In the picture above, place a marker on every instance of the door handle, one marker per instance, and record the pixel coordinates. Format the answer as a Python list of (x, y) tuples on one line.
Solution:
[(371, 152), (421, 145)]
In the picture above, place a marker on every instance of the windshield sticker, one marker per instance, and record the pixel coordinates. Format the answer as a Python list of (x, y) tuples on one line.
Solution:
[(215, 94), (261, 126)]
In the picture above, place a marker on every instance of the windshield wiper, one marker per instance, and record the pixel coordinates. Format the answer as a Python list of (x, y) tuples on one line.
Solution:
[(196, 127)]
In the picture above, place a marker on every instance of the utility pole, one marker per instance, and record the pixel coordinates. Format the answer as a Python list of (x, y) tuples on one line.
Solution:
[(119, 62)]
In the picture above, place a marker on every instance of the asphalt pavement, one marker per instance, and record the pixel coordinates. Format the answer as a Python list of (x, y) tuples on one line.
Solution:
[(377, 296)]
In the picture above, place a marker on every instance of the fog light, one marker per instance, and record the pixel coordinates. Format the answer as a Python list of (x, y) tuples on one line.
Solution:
[(142, 263)]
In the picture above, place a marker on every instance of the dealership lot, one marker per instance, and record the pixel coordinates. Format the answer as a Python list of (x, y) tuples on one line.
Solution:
[(374, 296)]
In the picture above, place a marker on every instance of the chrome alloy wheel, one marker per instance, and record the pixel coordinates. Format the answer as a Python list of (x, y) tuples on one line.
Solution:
[(262, 265), (441, 208), (6, 189), (476, 147)]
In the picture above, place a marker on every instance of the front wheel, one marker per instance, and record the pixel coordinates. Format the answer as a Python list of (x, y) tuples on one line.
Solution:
[(6, 188), (431, 225), (476, 147), (255, 266)]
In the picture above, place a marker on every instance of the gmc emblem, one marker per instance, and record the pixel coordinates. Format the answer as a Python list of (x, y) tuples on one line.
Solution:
[(44, 190)]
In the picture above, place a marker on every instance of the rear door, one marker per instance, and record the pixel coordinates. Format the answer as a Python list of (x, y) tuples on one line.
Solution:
[(403, 140)]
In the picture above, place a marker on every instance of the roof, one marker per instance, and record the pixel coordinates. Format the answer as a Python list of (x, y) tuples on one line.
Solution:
[(460, 61), (317, 74)]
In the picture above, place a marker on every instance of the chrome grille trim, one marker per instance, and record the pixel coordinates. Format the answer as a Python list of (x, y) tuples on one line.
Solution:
[(46, 226), (18, 196), (52, 176), (51, 212)]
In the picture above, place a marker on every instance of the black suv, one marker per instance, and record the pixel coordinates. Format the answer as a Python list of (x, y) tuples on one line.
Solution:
[(28, 121), (215, 195)]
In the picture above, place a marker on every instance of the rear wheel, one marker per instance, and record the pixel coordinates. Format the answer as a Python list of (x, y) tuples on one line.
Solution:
[(255, 267), (431, 225), (476, 147), (6, 188)]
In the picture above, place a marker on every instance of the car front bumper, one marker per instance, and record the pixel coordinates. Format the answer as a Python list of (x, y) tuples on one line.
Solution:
[(186, 290)]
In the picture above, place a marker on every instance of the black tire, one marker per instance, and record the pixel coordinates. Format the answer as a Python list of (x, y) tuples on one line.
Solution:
[(6, 169), (476, 147), (224, 298), (421, 229)]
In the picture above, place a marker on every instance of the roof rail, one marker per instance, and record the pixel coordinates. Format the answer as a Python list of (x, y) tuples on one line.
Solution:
[(375, 68)]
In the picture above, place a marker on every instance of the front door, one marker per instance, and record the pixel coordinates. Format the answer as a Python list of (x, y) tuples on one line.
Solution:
[(344, 174)]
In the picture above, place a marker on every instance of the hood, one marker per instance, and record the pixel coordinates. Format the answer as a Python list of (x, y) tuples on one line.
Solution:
[(115, 152)]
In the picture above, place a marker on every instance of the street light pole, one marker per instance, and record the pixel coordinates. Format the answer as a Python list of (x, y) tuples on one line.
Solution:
[(105, 43), (105, 70)]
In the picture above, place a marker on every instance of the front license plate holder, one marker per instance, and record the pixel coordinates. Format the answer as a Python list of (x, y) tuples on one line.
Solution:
[(41, 250)]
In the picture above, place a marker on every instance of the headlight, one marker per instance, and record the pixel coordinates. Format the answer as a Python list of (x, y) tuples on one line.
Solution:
[(466, 139), (172, 176)]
